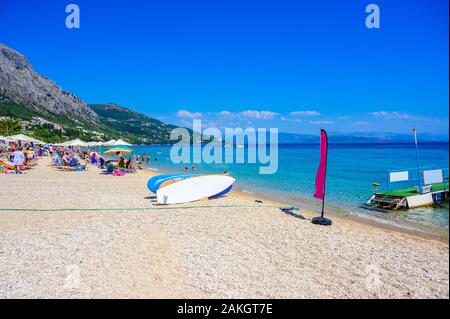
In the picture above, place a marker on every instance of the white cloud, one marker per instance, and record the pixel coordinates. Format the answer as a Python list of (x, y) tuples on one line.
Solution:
[(343, 117), (188, 115), (321, 122), (392, 115), (264, 115), (225, 113), (305, 113), (286, 119)]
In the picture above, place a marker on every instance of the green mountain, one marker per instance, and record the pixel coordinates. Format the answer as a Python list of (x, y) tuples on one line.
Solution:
[(47, 112), (114, 121), (133, 126)]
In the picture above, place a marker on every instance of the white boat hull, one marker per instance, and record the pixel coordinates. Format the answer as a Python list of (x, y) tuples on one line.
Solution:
[(192, 189)]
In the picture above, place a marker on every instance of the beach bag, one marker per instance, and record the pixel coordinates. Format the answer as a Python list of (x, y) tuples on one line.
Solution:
[(117, 172)]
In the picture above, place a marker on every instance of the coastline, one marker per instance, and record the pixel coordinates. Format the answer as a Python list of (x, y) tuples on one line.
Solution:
[(440, 235), (107, 231)]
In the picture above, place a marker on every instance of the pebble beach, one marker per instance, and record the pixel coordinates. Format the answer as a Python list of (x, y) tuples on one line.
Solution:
[(89, 235)]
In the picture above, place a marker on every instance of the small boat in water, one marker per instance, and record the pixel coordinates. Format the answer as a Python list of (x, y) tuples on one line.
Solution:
[(429, 187), (432, 192)]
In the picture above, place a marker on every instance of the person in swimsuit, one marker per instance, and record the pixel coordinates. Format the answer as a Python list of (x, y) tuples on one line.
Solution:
[(19, 158)]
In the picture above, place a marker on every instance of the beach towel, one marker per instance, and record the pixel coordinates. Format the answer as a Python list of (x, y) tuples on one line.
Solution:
[(7, 165), (117, 172)]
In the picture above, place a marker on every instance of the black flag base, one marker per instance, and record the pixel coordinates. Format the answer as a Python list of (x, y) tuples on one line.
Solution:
[(321, 221)]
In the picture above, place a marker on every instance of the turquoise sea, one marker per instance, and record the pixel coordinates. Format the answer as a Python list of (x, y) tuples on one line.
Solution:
[(352, 170)]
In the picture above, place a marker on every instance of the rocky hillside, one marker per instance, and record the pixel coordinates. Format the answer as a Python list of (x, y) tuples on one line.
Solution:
[(20, 83), (48, 112)]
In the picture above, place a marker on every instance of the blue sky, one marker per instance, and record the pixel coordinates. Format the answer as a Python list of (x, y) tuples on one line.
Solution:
[(295, 65)]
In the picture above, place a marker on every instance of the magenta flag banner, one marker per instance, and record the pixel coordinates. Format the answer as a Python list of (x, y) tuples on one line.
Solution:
[(322, 170)]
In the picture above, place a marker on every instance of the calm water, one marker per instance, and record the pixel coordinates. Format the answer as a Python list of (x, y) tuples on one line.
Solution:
[(352, 169)]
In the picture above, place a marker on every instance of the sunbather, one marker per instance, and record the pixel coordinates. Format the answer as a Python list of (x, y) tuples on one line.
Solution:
[(130, 164), (69, 161), (122, 162)]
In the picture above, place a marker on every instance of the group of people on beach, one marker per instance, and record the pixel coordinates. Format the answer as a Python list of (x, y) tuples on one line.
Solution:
[(19, 157), (65, 156), (143, 158), (193, 168), (23, 156)]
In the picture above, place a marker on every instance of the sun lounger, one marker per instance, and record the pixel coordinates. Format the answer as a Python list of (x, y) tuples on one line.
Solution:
[(7, 165), (10, 166), (66, 168)]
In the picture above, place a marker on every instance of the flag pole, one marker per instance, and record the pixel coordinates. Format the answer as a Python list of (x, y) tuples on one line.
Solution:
[(325, 182), (322, 220), (417, 158)]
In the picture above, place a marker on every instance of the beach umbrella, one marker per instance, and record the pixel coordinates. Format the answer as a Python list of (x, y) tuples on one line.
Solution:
[(122, 143), (24, 138), (4, 139), (40, 142), (75, 142), (115, 150), (93, 143), (109, 143), (21, 138), (118, 142)]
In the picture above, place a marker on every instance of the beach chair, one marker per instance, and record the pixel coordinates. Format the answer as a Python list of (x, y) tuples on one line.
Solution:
[(60, 165), (7, 165), (66, 168)]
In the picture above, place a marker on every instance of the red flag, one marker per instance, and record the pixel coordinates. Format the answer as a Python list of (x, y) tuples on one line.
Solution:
[(322, 170)]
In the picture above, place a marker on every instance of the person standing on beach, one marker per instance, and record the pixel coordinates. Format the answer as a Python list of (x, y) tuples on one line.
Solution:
[(19, 158), (30, 154)]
